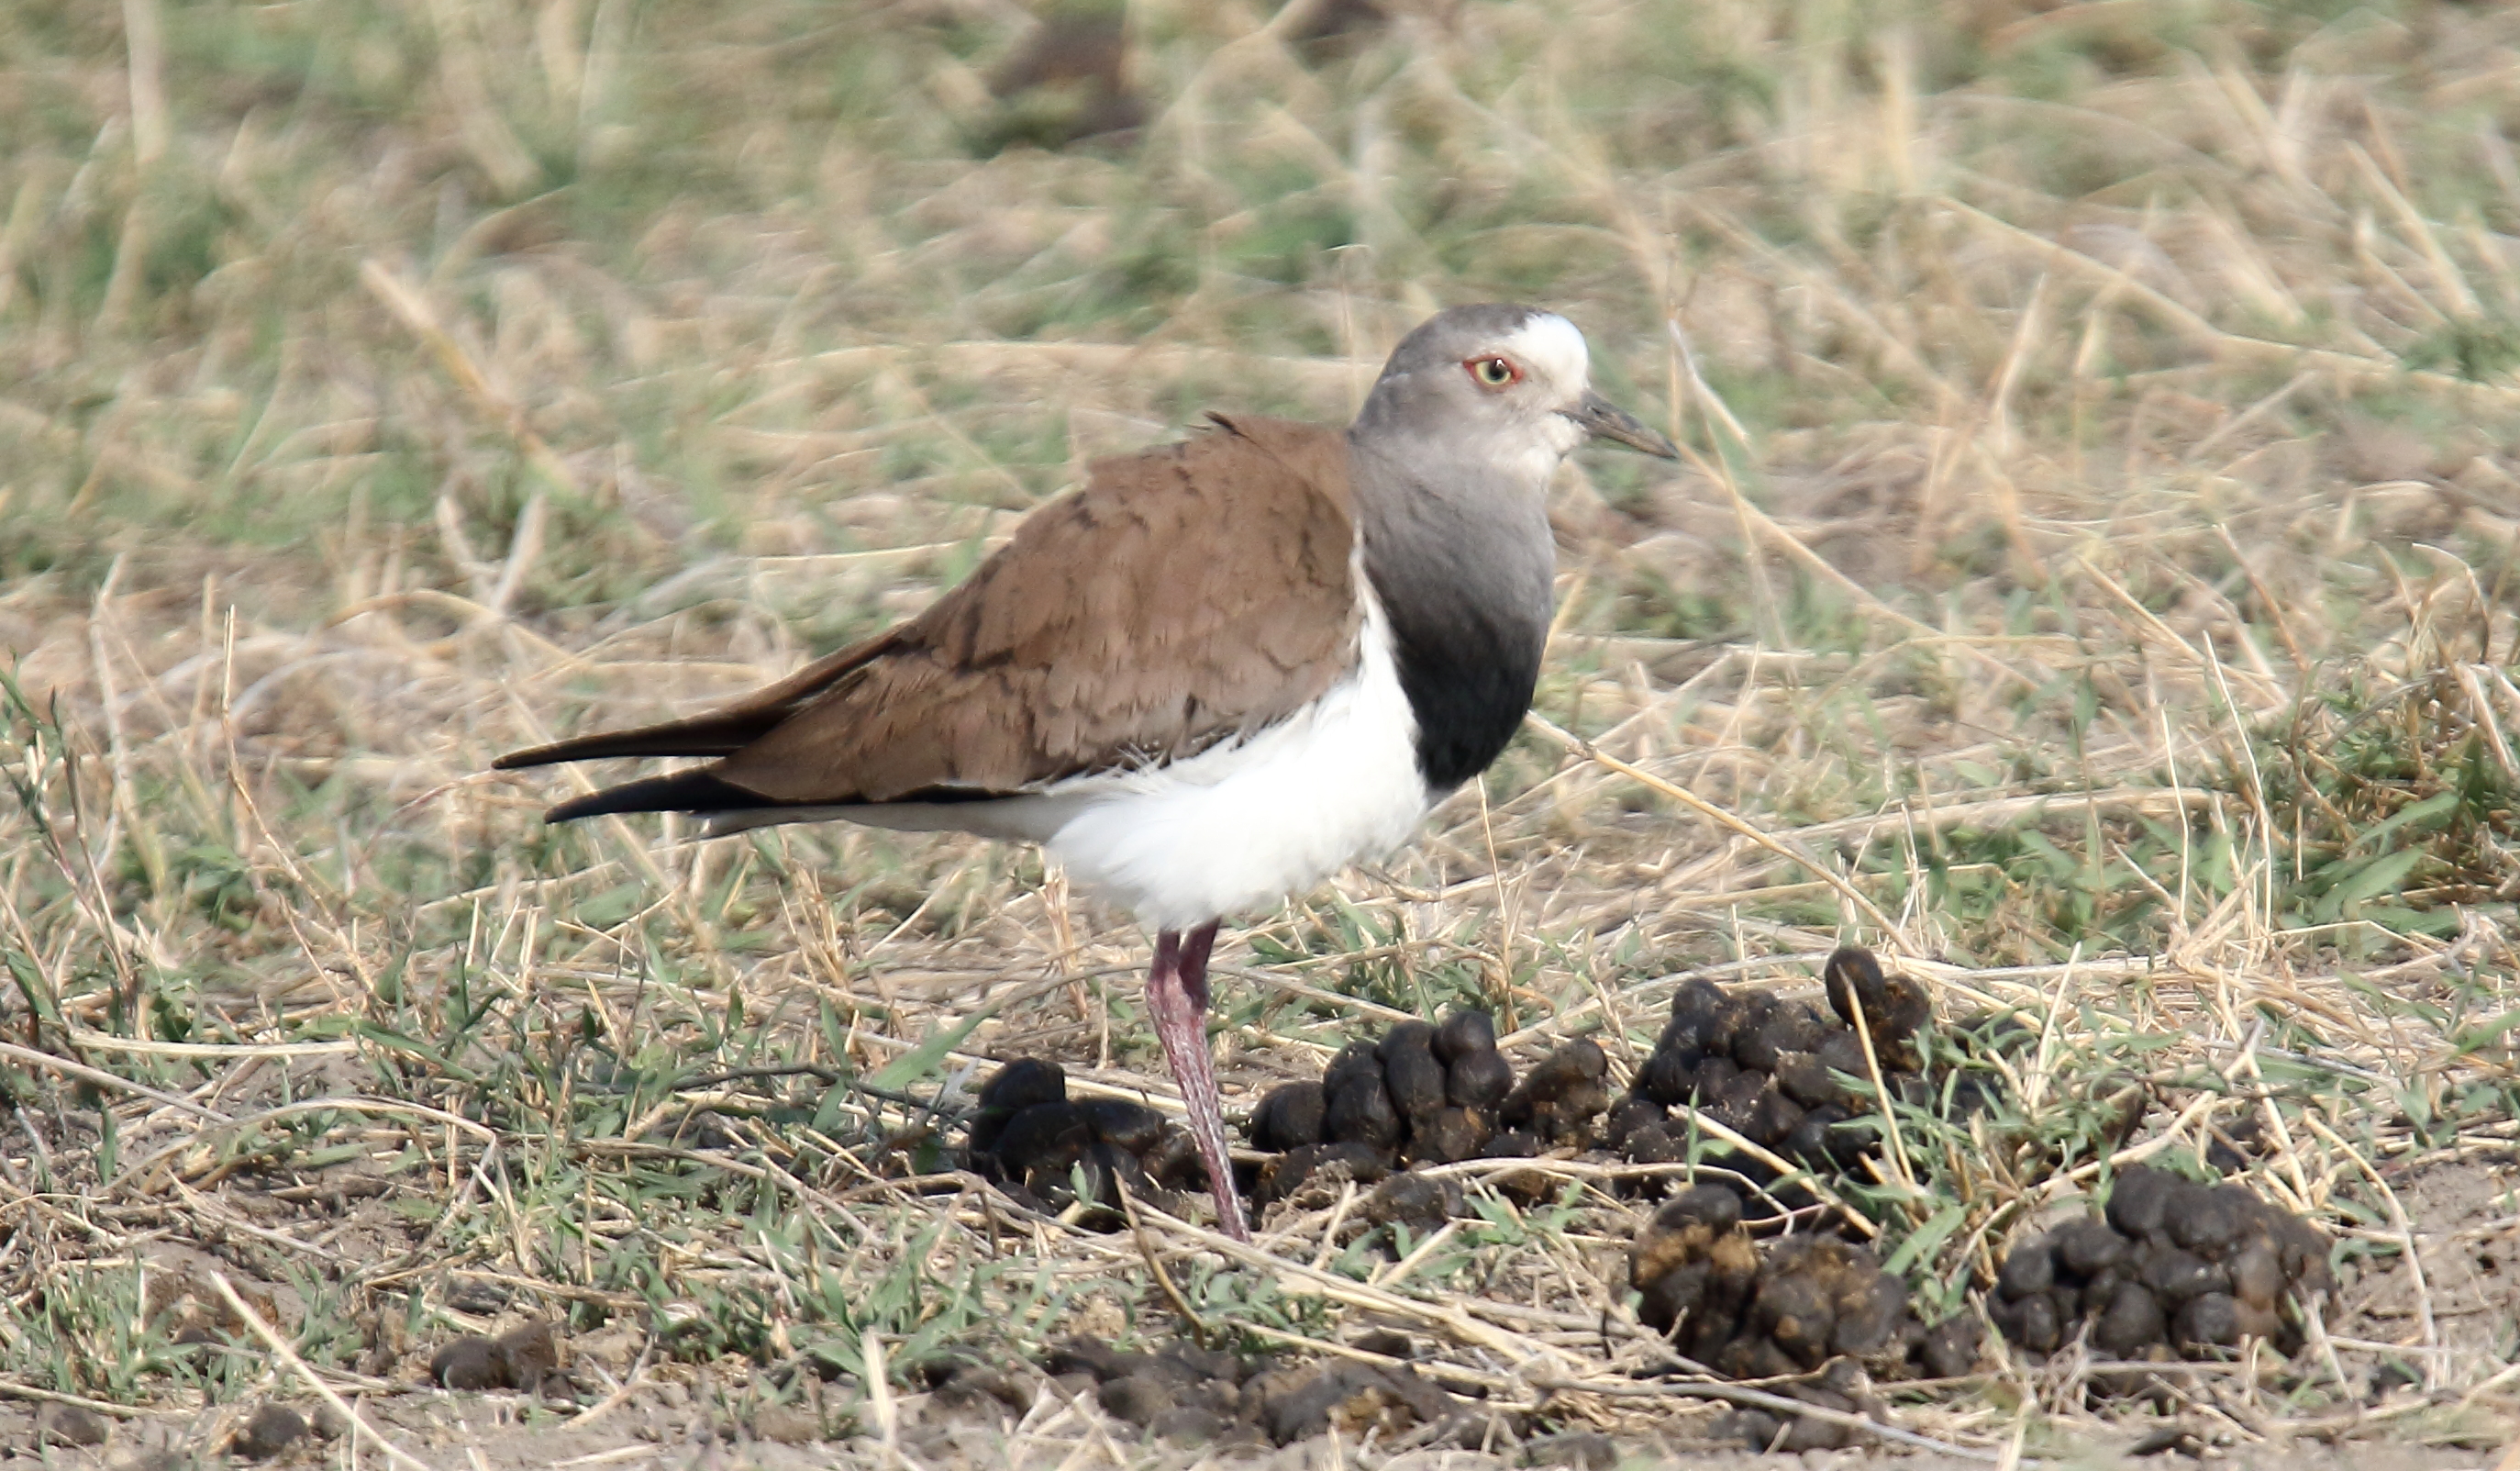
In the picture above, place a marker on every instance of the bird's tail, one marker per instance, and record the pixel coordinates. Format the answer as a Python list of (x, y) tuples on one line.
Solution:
[(721, 734), (702, 791)]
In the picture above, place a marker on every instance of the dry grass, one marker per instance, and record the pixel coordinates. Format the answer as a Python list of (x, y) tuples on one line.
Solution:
[(2093, 578)]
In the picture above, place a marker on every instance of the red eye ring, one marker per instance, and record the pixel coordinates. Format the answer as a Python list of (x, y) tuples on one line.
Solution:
[(1492, 371)]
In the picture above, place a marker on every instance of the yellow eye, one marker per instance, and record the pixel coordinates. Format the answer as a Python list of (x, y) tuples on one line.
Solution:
[(1494, 372)]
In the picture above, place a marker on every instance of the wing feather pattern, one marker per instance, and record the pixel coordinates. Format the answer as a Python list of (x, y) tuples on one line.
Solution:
[(1184, 595)]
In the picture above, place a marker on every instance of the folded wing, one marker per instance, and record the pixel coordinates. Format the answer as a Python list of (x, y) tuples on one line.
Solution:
[(1184, 595)]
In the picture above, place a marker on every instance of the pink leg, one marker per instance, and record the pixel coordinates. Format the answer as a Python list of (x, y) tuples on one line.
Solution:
[(1177, 998)]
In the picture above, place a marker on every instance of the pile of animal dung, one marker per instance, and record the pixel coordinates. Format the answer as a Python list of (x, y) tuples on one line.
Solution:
[(1791, 1079), (1779, 1072), (526, 1358), (2174, 1268), (1029, 1135), (1187, 1394), (1426, 1094), (1759, 1311)]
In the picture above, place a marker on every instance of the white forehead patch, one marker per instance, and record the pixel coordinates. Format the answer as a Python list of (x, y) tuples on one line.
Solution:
[(1548, 344)]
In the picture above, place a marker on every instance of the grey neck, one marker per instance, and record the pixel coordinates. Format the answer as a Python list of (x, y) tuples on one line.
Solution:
[(1458, 547)]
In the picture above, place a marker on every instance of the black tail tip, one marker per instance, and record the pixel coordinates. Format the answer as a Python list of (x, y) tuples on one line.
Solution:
[(697, 792)]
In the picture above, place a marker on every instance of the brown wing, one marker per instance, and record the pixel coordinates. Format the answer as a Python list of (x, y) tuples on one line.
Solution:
[(1184, 594)]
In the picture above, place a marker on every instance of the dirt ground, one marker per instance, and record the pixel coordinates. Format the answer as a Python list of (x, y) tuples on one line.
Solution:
[(2464, 1216), (2465, 1219), (456, 1431)]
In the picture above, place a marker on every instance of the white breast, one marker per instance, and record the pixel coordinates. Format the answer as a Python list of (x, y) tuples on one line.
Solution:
[(1242, 826)]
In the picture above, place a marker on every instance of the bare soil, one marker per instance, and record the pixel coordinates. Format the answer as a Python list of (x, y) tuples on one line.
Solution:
[(477, 1431), (2461, 1310)]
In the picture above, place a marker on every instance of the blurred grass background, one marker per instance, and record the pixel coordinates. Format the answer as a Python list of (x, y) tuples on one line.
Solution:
[(2093, 570)]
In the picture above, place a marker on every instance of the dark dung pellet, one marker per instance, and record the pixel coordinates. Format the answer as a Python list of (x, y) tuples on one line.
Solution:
[(1478, 1079), (1412, 1076), (1714, 1206), (1795, 1310), (1357, 1056), (1743, 1012), (1790, 1026), (1805, 1078), (2131, 1321), (1188, 1425), (2087, 1247), (1852, 978), (1450, 1134), (1017, 1086), (1668, 1078), (532, 1351), (2203, 1219), (1360, 1110), (1666, 1298), (1462, 1032), (470, 1363), (1697, 999), (2257, 1273), (1733, 1099), (1085, 1355), (1045, 1137), (1754, 1430), (1420, 1202), (1868, 1318), (271, 1430), (1121, 1122), (1713, 1077), (2099, 1287), (1754, 1355), (1175, 1162), (1657, 1145), (2259, 1321), (2137, 1198), (1290, 1117), (1629, 1115), (1893, 1007), (2029, 1321), (2212, 1320), (1951, 1347), (1564, 1071), (2177, 1277), (1770, 1117), (58, 1424), (1406, 1037)]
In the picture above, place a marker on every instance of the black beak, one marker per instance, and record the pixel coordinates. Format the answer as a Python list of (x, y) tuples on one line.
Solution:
[(1604, 420)]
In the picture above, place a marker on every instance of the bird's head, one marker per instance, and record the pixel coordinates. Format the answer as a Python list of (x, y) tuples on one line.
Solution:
[(1506, 385)]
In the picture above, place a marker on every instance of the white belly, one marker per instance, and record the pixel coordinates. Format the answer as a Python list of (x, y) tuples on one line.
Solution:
[(1242, 826)]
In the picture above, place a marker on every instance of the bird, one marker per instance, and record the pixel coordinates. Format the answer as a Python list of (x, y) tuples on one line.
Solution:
[(1209, 678)]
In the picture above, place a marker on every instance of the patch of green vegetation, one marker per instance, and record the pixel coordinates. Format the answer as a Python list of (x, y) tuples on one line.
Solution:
[(2479, 350), (2388, 807)]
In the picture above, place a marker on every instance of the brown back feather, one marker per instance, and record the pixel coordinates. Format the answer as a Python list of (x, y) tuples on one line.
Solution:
[(1185, 594)]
